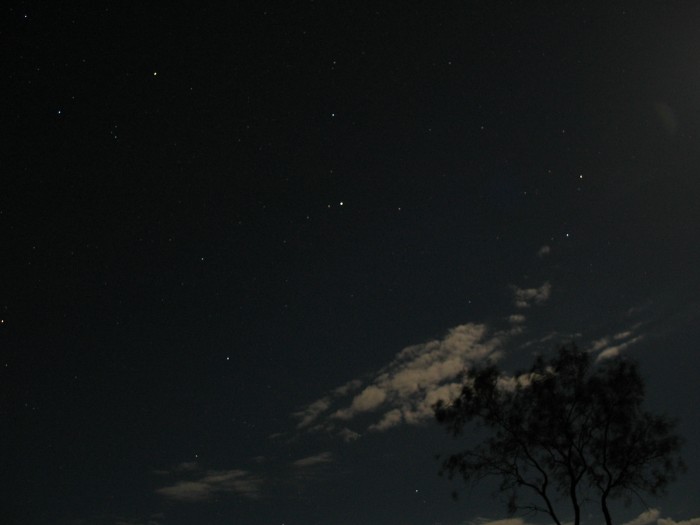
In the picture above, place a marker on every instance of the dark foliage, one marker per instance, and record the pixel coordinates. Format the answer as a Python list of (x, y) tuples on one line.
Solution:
[(566, 431)]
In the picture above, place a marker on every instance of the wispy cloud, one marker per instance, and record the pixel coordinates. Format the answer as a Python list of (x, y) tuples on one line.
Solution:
[(348, 435), (369, 399), (613, 345), (405, 390), (311, 412), (204, 485), (526, 297), (189, 482), (310, 461)]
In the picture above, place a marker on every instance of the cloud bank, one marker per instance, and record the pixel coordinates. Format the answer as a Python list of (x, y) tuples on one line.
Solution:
[(405, 390)]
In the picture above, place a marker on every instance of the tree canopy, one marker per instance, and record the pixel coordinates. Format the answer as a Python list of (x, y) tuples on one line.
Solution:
[(567, 431)]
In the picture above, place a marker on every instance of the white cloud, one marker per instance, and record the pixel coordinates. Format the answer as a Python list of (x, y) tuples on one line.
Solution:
[(669, 521), (525, 297), (348, 387), (313, 411), (614, 351), (516, 319), (369, 399), (309, 414), (645, 518), (623, 335), (544, 251), (599, 344), (405, 389), (510, 383), (390, 419), (310, 461), (213, 482), (613, 345)]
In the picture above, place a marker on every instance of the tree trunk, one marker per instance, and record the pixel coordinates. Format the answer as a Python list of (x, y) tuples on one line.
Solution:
[(604, 505), (577, 507)]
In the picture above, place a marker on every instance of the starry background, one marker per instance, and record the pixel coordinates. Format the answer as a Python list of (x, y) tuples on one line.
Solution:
[(216, 217)]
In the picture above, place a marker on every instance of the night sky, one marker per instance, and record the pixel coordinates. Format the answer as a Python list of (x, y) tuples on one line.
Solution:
[(245, 246)]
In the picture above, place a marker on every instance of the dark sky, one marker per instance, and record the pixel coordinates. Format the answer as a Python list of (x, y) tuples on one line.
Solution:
[(246, 245)]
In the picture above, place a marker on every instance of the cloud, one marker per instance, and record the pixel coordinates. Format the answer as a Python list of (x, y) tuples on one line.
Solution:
[(348, 435), (309, 414), (525, 297), (370, 398), (669, 521), (390, 419), (645, 518), (187, 466), (348, 387), (310, 461), (204, 486), (544, 251), (623, 335), (405, 390), (611, 346), (615, 351), (651, 516)]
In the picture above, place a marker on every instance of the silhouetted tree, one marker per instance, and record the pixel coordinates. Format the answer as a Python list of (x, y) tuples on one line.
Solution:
[(564, 431)]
